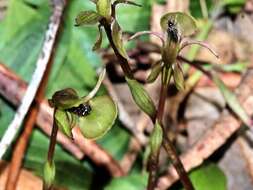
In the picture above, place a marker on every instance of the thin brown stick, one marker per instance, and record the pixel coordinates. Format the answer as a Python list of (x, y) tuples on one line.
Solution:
[(13, 88), (18, 152), (216, 136)]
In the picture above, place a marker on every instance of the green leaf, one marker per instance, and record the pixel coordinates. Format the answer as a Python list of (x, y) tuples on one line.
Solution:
[(49, 173), (195, 7), (232, 101), (98, 42), (87, 18), (185, 23), (131, 182), (155, 71), (65, 121), (104, 8), (126, 2), (141, 97), (208, 177), (101, 118), (156, 139), (117, 39), (139, 17), (178, 76), (65, 99)]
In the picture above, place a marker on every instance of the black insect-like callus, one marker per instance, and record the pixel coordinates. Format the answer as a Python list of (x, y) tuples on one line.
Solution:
[(81, 110), (173, 32)]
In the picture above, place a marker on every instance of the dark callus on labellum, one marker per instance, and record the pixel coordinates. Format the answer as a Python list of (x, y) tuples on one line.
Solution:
[(81, 110), (173, 31)]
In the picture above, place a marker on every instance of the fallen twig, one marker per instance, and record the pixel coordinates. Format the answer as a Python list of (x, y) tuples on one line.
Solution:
[(13, 88), (41, 65), (215, 137)]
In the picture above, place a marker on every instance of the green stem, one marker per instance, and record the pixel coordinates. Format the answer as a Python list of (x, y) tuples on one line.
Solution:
[(51, 149), (166, 142), (122, 61)]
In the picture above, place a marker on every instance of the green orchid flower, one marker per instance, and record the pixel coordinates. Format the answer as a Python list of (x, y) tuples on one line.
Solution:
[(105, 13), (93, 115), (176, 27)]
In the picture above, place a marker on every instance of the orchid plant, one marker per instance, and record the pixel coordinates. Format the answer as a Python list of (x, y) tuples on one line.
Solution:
[(95, 116)]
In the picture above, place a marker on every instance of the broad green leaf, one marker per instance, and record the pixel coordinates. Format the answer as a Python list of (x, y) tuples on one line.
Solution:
[(65, 121), (117, 39), (208, 177), (101, 118), (141, 97), (131, 182), (65, 99), (178, 76), (98, 42), (195, 8), (49, 173), (139, 16), (104, 8), (232, 100), (185, 23), (156, 139), (155, 71), (87, 18)]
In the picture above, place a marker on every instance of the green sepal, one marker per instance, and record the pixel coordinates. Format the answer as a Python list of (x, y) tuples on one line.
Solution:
[(117, 39), (49, 174), (87, 18), (156, 139), (178, 76), (141, 97), (104, 8), (155, 71), (65, 99), (98, 42), (65, 121), (101, 118)]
